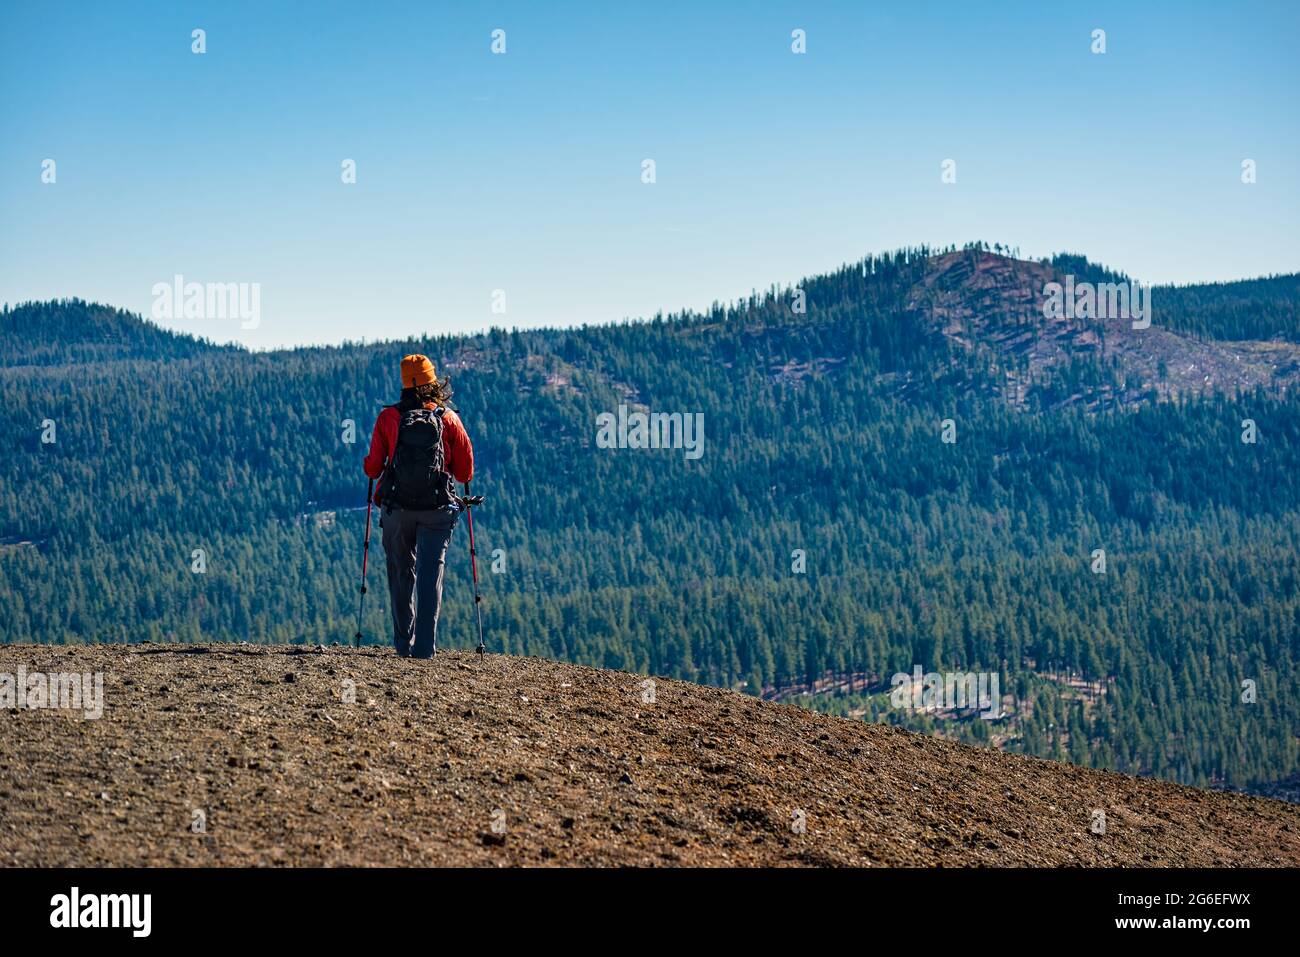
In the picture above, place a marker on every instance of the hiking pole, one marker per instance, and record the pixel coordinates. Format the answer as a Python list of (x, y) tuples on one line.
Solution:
[(470, 501), (365, 555)]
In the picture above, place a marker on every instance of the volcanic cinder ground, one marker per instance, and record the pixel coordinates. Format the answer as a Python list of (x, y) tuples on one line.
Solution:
[(245, 755)]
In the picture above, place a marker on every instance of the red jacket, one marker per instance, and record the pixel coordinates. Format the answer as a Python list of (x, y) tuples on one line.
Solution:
[(457, 453)]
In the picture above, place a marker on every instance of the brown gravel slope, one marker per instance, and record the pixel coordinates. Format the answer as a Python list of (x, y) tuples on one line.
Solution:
[(571, 763)]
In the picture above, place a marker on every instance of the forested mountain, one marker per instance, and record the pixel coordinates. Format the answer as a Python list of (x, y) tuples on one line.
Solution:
[(904, 463), (68, 331)]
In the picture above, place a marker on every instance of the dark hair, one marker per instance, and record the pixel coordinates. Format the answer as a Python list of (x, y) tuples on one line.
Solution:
[(439, 393)]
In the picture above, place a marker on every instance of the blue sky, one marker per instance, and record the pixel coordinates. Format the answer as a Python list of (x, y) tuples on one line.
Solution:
[(522, 172)]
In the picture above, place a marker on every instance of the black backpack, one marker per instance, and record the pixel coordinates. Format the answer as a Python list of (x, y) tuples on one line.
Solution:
[(415, 478)]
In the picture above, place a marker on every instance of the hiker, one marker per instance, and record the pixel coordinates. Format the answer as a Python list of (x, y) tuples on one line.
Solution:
[(418, 446)]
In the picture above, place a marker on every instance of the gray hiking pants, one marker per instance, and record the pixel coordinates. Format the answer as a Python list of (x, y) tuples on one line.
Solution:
[(415, 544)]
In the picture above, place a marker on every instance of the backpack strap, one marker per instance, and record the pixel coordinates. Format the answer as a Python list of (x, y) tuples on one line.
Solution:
[(383, 476)]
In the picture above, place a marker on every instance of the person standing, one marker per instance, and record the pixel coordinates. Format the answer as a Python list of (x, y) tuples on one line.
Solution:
[(418, 447)]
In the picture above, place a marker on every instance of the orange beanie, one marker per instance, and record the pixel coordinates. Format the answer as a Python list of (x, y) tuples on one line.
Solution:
[(417, 370)]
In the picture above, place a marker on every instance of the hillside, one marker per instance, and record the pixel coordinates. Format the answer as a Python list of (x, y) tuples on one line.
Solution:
[(992, 307), (827, 537), (72, 331), (584, 770)]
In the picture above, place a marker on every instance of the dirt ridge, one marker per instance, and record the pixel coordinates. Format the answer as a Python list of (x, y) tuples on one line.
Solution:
[(524, 761)]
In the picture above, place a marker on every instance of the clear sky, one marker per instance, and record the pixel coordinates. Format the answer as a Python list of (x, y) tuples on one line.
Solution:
[(522, 171)]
